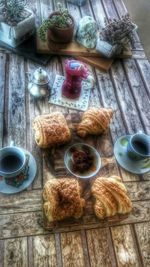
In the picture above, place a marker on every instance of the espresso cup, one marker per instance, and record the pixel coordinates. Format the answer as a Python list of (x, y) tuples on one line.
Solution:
[(12, 161), (139, 146)]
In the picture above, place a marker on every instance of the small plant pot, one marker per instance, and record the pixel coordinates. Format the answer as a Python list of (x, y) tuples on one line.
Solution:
[(60, 35), (111, 51), (15, 35)]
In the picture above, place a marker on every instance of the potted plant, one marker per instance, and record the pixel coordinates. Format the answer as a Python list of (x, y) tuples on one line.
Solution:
[(59, 27), (115, 36), (17, 22)]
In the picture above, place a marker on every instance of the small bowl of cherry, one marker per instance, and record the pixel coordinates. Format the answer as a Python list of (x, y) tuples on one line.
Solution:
[(82, 160)]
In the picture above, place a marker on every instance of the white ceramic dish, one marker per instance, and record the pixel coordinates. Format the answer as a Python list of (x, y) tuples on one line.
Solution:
[(96, 159)]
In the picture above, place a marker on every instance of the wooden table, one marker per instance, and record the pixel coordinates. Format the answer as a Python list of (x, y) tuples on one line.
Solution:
[(119, 241)]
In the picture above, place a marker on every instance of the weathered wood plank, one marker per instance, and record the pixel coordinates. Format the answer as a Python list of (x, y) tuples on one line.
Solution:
[(24, 201), (124, 246), (125, 99), (30, 223), (33, 108), (46, 7), (143, 235), (144, 68), (2, 99), (110, 9), (139, 92), (140, 213), (138, 54), (58, 250), (32, 200), (44, 251), (72, 250), (109, 99), (100, 251), (16, 108), (15, 252), (30, 251), (139, 190), (1, 253), (85, 248), (99, 12), (2, 81), (127, 176), (21, 224), (86, 10)]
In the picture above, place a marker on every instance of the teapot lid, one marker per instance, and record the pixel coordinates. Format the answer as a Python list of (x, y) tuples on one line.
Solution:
[(40, 77)]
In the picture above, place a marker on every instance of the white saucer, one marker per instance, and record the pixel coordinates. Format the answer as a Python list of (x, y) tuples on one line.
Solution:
[(133, 166), (8, 189)]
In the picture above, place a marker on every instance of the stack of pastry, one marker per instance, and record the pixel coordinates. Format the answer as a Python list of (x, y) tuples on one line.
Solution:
[(62, 199), (51, 129), (110, 197)]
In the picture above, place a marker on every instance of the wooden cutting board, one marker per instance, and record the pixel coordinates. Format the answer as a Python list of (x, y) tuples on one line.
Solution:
[(55, 168), (103, 64), (72, 49), (89, 56)]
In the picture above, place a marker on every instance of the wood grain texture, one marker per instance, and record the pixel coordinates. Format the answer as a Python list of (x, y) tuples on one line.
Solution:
[(16, 104), (15, 252), (139, 93), (100, 252), (87, 241), (72, 251), (139, 190), (143, 235), (31, 223), (44, 253), (25, 201), (124, 246), (126, 100), (2, 87), (143, 66)]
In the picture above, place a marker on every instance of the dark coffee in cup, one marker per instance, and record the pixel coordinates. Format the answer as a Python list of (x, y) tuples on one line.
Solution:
[(10, 163), (139, 146)]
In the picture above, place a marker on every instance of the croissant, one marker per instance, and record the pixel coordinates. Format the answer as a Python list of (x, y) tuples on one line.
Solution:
[(110, 197), (94, 121), (62, 199), (51, 129)]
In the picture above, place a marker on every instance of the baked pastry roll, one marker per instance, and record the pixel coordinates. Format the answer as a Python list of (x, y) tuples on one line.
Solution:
[(62, 199), (51, 129), (110, 197), (94, 121)]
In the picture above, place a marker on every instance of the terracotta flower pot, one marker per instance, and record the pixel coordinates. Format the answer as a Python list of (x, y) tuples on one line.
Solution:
[(60, 35)]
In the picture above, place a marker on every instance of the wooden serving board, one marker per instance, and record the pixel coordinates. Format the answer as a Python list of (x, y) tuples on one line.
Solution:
[(89, 56), (54, 168), (103, 64), (72, 49)]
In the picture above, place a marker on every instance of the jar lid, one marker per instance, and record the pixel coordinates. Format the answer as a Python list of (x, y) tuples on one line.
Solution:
[(40, 77)]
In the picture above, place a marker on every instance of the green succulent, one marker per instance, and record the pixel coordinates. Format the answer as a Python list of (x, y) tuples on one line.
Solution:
[(12, 10), (60, 20)]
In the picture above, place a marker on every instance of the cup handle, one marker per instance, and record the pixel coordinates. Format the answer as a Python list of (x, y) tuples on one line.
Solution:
[(12, 143)]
